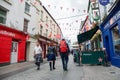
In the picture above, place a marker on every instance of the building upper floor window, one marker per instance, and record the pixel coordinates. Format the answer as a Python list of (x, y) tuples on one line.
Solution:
[(57, 31), (50, 23), (116, 40), (54, 27), (94, 5), (3, 14), (25, 25), (46, 32), (27, 8), (41, 28), (41, 16), (46, 19)]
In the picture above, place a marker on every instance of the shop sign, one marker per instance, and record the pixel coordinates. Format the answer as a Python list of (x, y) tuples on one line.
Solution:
[(87, 54), (104, 2), (107, 25), (113, 19), (7, 33), (117, 16)]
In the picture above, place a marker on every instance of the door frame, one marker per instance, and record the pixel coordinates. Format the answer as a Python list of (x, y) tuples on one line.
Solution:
[(13, 52)]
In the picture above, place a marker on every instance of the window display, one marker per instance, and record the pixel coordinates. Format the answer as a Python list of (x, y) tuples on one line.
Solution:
[(116, 40)]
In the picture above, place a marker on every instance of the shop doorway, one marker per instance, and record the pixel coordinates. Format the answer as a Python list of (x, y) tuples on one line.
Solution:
[(14, 52), (27, 50), (44, 49)]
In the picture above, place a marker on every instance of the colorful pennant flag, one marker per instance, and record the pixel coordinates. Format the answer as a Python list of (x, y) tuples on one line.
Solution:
[(58, 36), (21, 1), (48, 5), (50, 35), (61, 7), (92, 0)]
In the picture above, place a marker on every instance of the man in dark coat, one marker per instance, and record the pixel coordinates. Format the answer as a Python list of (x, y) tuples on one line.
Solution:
[(64, 56)]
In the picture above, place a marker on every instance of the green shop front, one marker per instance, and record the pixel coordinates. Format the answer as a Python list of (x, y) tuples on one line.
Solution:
[(90, 57)]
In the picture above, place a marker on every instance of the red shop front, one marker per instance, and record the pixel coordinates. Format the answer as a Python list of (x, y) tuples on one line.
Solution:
[(12, 45)]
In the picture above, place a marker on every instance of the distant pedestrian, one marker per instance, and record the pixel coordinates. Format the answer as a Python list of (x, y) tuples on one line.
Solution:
[(38, 55), (51, 56), (79, 56), (105, 57), (64, 53)]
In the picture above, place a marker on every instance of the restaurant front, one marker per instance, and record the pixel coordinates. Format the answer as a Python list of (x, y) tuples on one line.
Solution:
[(12, 45)]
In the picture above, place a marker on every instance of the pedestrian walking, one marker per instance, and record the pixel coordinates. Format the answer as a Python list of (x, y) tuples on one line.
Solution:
[(64, 53), (38, 55), (79, 56), (105, 57), (51, 56)]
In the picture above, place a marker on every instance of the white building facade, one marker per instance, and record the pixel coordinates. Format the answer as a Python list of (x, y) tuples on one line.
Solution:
[(30, 17)]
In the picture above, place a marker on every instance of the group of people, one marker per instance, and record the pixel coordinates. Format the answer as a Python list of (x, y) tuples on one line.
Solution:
[(51, 55)]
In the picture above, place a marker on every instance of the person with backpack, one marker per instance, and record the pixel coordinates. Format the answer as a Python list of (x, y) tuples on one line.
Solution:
[(64, 53), (51, 56)]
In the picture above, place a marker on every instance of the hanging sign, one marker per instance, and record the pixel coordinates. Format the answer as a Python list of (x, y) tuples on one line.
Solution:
[(104, 2)]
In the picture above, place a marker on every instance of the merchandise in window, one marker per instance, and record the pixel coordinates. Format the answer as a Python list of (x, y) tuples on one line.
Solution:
[(116, 40)]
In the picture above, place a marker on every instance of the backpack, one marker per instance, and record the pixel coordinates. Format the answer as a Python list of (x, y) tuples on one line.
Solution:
[(63, 46)]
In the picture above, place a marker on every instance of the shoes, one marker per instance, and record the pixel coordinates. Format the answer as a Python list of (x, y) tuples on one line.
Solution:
[(65, 69), (50, 69), (38, 68), (54, 68)]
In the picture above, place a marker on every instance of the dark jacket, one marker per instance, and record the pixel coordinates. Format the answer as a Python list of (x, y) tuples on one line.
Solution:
[(51, 53)]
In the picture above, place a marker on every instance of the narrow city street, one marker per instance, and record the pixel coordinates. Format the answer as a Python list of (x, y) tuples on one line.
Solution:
[(39, 31), (85, 72)]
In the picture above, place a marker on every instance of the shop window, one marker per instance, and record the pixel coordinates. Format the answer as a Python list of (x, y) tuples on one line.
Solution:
[(27, 8), (41, 16), (116, 40), (25, 25), (3, 16)]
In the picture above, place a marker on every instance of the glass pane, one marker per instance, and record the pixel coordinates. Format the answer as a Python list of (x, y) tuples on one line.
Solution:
[(27, 7), (2, 12), (1, 19), (15, 47), (116, 40)]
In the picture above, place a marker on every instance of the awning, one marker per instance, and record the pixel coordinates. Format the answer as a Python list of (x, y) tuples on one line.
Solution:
[(95, 36), (86, 35)]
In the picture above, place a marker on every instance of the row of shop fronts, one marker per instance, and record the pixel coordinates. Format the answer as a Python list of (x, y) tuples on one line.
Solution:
[(16, 46), (111, 34), (106, 36)]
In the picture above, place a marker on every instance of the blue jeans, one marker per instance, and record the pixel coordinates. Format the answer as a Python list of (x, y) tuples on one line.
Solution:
[(64, 57), (38, 59)]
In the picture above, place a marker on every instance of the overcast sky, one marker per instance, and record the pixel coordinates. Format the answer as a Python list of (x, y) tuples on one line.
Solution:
[(67, 14)]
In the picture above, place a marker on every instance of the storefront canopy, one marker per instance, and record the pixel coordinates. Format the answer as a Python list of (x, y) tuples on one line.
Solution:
[(86, 35)]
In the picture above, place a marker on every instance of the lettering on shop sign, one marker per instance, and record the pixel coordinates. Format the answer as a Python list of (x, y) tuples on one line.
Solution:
[(87, 54), (7, 33), (113, 19), (117, 16)]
